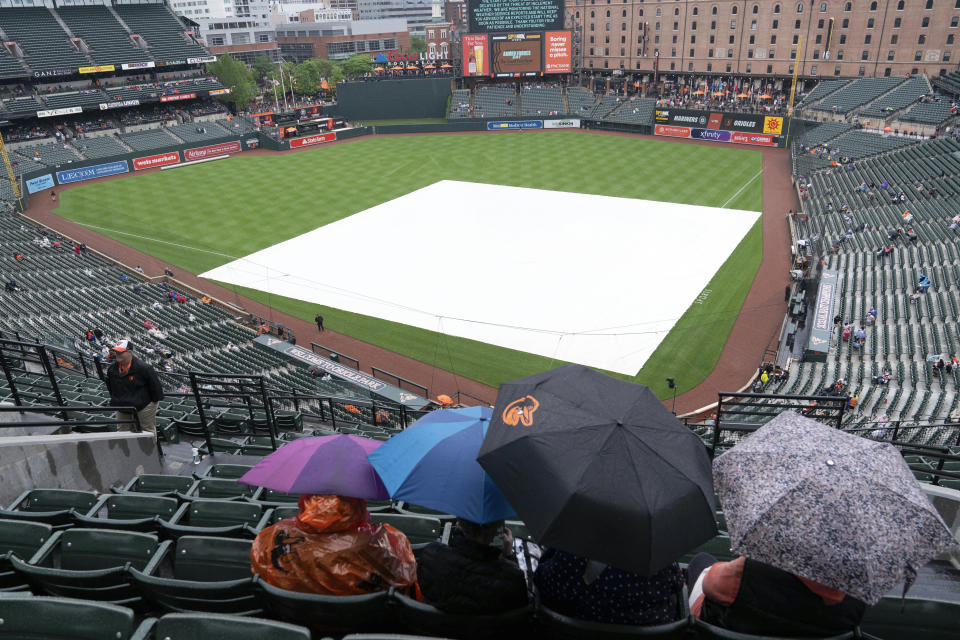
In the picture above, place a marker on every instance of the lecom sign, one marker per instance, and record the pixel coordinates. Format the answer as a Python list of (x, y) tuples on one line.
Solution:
[(212, 150), (160, 160)]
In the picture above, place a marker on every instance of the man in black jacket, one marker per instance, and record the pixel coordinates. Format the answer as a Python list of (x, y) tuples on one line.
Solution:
[(133, 383), (469, 575)]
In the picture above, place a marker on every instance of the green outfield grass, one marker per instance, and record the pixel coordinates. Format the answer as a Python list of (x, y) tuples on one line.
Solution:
[(200, 217)]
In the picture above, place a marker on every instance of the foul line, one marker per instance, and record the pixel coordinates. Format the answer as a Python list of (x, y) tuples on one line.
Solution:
[(740, 190), (148, 238)]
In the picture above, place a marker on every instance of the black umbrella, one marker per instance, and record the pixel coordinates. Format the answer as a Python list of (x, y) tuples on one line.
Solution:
[(599, 467)]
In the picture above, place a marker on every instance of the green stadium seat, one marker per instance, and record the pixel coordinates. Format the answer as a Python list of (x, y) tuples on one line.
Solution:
[(90, 564), (28, 617), (329, 614), (421, 618), (203, 573), (224, 518), (912, 618), (158, 484), (555, 625), (418, 529), (22, 539), (131, 512), (220, 489), (209, 626), (226, 471), (705, 631), (55, 507)]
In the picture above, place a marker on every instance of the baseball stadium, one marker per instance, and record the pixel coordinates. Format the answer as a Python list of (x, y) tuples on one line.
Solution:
[(286, 284)]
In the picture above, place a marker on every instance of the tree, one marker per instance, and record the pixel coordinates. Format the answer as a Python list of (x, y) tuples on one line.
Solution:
[(306, 77), (325, 67), (356, 66), (263, 65), (235, 75), (418, 45)]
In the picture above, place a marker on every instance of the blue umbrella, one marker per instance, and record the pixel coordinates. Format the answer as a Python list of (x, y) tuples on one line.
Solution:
[(434, 464)]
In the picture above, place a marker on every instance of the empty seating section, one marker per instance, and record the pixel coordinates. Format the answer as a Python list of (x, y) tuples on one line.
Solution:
[(10, 66), (132, 93), (949, 82), (900, 98), (634, 111), (51, 154), (929, 112), (603, 108), (541, 101), (149, 139), (859, 144), (495, 102), (857, 93), (906, 332), (108, 41), (74, 98), (580, 100), (21, 105), (98, 146), (822, 90), (824, 132), (45, 44), (237, 125), (190, 133), (460, 104), (162, 31)]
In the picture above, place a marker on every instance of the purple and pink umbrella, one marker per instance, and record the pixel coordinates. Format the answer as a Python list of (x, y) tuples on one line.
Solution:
[(334, 464)]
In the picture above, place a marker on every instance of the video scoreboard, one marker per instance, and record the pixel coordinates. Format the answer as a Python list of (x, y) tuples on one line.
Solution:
[(516, 39)]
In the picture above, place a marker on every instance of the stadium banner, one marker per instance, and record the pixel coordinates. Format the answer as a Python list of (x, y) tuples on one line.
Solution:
[(100, 68), (138, 65), (47, 113), (504, 125), (219, 92), (317, 139), (91, 172), (748, 122), (201, 60), (178, 96), (673, 132), (773, 125), (492, 16), (51, 73), (515, 55), (476, 51), (39, 183), (715, 135), (754, 138), (557, 48), (119, 104), (573, 123), (199, 153), (159, 160), (344, 372), (822, 329)]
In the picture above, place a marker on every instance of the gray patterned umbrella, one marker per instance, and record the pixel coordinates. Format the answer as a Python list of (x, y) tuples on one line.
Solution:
[(828, 506)]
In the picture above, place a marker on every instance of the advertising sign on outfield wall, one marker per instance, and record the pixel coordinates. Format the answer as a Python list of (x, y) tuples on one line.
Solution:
[(39, 183), (317, 139), (199, 153), (501, 125), (572, 123), (159, 160), (716, 135), (95, 171)]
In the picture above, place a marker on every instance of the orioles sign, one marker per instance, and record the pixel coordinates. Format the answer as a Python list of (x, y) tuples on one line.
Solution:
[(521, 411)]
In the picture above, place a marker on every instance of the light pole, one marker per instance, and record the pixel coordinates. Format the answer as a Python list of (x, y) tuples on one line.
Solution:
[(672, 384)]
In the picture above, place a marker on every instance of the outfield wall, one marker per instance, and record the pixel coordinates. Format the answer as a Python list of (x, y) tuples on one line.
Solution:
[(393, 99)]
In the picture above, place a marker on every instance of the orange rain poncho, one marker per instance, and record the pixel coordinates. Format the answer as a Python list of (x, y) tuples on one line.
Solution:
[(332, 548)]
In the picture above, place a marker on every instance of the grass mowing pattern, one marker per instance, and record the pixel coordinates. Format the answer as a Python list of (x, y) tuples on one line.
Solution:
[(203, 216)]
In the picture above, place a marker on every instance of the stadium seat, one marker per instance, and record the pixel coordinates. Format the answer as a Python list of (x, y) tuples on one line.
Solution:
[(418, 529), (224, 518), (911, 618), (220, 489), (91, 564), (705, 631), (158, 484), (555, 625), (329, 614), (203, 573), (208, 626), (419, 617), (225, 471), (29, 617), (131, 512), (55, 507), (23, 539)]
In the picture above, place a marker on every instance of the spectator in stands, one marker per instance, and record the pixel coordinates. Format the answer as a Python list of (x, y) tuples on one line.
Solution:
[(89, 273), (752, 597), (139, 269), (133, 383), (191, 318), (468, 575), (883, 377), (232, 347), (588, 590), (911, 235), (924, 282), (157, 306)]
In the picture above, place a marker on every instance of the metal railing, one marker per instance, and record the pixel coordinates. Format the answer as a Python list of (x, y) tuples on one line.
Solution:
[(336, 356), (400, 381)]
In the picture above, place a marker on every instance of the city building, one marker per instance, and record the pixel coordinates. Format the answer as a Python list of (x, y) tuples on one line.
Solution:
[(417, 13), (342, 39), (439, 38)]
